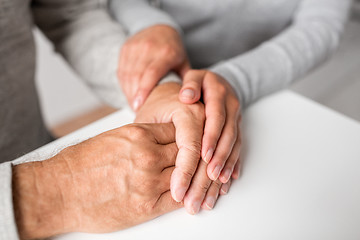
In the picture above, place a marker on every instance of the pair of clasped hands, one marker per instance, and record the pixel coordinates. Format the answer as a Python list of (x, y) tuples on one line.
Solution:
[(205, 130), (179, 152)]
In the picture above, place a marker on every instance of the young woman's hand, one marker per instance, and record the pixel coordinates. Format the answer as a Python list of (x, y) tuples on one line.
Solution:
[(221, 141)]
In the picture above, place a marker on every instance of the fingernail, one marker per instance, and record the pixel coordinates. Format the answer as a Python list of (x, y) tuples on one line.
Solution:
[(226, 176), (188, 93), (237, 174), (210, 202), (216, 172), (195, 208), (225, 189), (179, 194), (137, 103), (209, 155)]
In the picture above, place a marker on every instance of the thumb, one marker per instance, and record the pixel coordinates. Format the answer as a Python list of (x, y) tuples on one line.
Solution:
[(188, 134), (191, 90), (183, 68)]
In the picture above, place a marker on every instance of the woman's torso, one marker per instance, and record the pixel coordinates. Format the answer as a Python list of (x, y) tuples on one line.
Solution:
[(218, 30)]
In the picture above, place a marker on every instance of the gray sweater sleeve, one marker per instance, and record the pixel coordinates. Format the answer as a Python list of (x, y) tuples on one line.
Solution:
[(312, 37), (84, 33), (8, 228), (137, 15)]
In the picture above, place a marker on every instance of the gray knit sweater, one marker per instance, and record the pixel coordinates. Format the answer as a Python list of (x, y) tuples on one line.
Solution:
[(259, 46)]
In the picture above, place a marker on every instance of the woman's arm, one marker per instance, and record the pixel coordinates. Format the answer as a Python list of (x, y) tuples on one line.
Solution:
[(137, 15), (312, 37)]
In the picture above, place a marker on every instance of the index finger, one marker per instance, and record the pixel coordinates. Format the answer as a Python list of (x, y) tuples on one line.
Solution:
[(189, 131), (151, 76)]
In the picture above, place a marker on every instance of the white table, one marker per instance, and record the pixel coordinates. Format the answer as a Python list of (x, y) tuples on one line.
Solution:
[(301, 179)]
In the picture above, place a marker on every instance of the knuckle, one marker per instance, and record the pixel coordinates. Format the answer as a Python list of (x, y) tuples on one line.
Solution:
[(136, 132), (188, 168), (221, 89), (150, 159), (146, 185), (234, 102), (221, 158), (135, 77), (152, 71), (169, 52), (146, 159), (188, 173), (194, 147), (147, 44), (217, 184), (203, 187)]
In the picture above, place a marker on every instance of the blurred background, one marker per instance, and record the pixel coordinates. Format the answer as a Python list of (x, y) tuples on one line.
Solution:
[(68, 104)]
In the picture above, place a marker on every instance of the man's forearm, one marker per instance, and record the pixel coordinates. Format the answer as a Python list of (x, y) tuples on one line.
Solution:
[(280, 61)]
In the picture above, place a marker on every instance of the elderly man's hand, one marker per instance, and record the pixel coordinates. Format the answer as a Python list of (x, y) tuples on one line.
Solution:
[(189, 181), (113, 181), (148, 56)]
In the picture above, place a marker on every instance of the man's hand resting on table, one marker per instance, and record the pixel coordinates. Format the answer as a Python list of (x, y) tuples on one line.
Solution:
[(113, 181), (189, 180)]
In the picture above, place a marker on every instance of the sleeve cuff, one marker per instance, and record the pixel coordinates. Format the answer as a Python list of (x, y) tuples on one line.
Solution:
[(171, 77), (137, 15), (223, 69), (8, 229)]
